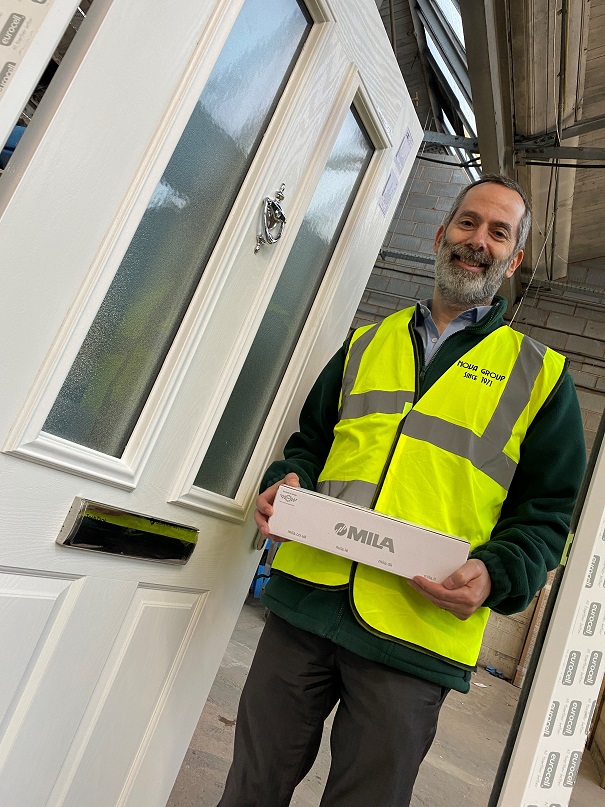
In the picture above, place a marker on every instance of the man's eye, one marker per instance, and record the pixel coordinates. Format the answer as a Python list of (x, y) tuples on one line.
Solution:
[(501, 234)]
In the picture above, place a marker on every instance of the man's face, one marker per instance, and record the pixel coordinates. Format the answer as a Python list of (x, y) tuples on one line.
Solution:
[(477, 251)]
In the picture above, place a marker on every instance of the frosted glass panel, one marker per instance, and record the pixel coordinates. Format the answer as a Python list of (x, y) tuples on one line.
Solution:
[(245, 414), (123, 352)]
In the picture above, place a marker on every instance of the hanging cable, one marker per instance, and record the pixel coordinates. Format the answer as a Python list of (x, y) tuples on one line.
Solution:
[(473, 161), (522, 300), (563, 165), (560, 109)]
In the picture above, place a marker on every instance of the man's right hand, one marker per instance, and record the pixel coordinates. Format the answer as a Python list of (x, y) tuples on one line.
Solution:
[(264, 504)]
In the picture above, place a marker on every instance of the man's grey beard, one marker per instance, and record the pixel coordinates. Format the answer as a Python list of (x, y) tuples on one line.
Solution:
[(457, 285)]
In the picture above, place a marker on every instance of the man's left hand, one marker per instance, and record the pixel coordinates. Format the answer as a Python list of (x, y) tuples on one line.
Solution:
[(462, 592)]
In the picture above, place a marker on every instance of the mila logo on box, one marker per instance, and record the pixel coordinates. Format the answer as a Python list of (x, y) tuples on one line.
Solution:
[(364, 536), (552, 763)]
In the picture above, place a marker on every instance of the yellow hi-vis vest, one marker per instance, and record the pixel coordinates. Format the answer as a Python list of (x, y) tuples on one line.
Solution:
[(444, 461)]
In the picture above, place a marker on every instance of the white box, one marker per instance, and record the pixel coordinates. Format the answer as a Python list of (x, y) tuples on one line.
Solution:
[(365, 536)]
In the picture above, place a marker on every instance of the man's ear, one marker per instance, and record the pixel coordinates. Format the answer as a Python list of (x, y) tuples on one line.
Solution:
[(515, 261), (438, 238)]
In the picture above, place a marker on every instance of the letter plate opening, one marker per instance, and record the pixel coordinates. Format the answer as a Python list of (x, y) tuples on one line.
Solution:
[(101, 528)]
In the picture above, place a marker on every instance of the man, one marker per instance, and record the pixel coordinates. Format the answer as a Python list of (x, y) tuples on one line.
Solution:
[(443, 416)]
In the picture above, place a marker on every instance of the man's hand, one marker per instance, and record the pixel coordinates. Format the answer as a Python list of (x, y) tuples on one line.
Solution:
[(461, 593), (264, 504)]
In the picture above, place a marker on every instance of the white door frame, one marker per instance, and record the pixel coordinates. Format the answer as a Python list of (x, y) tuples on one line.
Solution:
[(556, 719)]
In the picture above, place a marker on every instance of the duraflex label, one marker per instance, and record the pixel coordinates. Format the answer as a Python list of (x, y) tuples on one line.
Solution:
[(571, 718), (572, 769), (550, 769), (571, 668), (594, 664), (11, 29), (592, 571), (592, 619), (552, 716)]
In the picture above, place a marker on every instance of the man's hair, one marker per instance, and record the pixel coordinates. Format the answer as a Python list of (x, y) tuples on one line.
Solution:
[(498, 179)]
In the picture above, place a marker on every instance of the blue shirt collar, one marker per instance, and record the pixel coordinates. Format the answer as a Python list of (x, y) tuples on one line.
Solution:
[(470, 317)]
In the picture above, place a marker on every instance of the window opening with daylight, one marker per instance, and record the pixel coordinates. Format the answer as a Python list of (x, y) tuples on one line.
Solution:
[(445, 59)]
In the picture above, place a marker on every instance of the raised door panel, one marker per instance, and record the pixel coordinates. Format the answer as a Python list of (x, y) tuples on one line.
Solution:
[(60, 677), (130, 696), (29, 607)]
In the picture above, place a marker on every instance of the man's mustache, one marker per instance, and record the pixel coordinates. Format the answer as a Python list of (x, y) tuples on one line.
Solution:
[(472, 256)]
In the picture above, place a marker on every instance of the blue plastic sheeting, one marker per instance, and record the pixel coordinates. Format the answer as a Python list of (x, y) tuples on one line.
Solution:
[(11, 145)]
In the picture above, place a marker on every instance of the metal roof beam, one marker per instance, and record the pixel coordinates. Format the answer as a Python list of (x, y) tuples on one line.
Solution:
[(485, 34), (550, 138), (452, 141), (558, 153), (584, 127), (487, 54), (446, 42)]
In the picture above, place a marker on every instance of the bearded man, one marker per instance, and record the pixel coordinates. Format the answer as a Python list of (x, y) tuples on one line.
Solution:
[(444, 416)]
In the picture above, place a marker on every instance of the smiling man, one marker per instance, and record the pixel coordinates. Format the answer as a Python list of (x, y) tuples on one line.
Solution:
[(444, 416)]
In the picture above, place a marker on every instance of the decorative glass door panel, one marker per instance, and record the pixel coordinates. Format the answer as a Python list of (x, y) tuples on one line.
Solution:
[(243, 419), (109, 382)]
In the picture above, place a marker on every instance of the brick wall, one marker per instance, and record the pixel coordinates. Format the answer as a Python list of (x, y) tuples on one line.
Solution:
[(400, 278), (576, 328)]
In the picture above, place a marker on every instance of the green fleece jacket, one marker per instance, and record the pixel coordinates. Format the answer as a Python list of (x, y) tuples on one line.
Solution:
[(527, 541)]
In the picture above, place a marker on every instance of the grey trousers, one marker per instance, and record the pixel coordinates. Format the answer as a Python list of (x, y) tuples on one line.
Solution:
[(383, 727)]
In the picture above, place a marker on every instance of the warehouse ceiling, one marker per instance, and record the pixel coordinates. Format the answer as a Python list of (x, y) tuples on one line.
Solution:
[(532, 74), (520, 84)]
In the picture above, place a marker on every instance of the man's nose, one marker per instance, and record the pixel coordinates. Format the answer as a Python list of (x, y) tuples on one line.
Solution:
[(477, 240)]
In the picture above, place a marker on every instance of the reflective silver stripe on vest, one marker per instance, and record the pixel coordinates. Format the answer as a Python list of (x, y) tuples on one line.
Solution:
[(517, 392), (356, 491), (386, 402), (355, 355), (462, 442), (486, 452), (365, 403)]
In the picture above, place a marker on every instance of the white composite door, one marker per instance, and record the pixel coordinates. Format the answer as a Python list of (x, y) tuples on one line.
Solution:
[(153, 362)]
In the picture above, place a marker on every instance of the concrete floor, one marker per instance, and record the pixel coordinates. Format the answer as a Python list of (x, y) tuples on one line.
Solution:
[(458, 770)]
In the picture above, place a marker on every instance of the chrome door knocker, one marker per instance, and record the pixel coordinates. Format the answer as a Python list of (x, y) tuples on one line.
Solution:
[(273, 221)]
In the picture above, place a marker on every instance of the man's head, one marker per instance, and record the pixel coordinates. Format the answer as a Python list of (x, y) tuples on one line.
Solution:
[(481, 241)]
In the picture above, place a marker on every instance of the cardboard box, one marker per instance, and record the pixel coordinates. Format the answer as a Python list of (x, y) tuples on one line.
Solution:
[(365, 536)]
